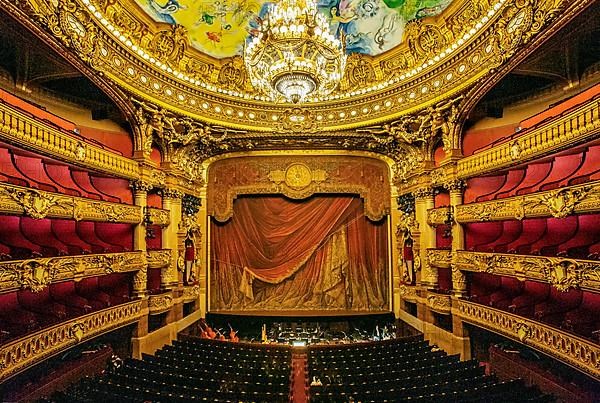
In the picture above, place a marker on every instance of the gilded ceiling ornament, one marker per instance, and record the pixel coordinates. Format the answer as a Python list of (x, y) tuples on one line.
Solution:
[(35, 204), (297, 120), (170, 45), (233, 74), (424, 40), (359, 70)]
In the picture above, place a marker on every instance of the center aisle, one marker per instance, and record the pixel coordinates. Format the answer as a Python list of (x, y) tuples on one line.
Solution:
[(299, 381)]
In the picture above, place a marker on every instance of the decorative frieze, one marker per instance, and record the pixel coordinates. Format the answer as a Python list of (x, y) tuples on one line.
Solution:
[(158, 258), (438, 216), (27, 351), (38, 204), (439, 257), (408, 293), (561, 273), (577, 126), (191, 293), (36, 274), (159, 216), (568, 348), (160, 303), (439, 303), (558, 203)]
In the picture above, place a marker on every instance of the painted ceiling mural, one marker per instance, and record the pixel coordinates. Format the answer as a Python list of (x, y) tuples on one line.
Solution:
[(220, 28)]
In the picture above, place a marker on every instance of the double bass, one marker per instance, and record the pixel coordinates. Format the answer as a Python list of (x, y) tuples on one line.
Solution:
[(210, 333)]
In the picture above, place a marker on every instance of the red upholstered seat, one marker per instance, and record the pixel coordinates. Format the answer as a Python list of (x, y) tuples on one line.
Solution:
[(42, 304), (482, 286), (558, 303), (118, 236), (513, 180), (61, 175), (40, 233), (533, 229), (586, 318), (89, 289), (510, 232), (66, 231), (533, 293), (10, 235), (480, 234), (590, 167), (480, 187), (117, 190), (587, 235), (10, 172), (14, 320), (117, 285), (564, 167), (86, 231), (536, 174), (509, 289), (33, 169), (66, 294), (82, 179), (558, 231)]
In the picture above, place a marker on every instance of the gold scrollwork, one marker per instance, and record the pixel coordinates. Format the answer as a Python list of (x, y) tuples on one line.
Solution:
[(566, 347), (160, 303), (191, 293), (158, 258), (36, 274), (438, 216), (25, 352), (561, 273), (408, 293), (439, 257), (439, 303), (159, 216)]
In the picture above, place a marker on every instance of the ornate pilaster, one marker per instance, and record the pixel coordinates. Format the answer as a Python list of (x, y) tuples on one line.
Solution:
[(455, 188), (140, 198), (424, 200), (171, 201)]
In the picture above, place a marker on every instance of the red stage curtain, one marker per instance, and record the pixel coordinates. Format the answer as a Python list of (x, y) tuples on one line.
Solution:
[(320, 253)]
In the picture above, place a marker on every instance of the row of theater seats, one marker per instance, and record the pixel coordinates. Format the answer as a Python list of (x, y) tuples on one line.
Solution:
[(25, 237), (575, 310), (194, 370), (26, 311), (562, 170), (38, 173), (575, 236), (404, 370)]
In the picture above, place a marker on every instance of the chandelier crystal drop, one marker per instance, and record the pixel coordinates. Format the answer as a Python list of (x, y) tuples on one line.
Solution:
[(294, 55)]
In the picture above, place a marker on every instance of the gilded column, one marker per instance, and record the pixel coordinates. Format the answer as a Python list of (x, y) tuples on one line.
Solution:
[(140, 197), (171, 200), (459, 281), (424, 201)]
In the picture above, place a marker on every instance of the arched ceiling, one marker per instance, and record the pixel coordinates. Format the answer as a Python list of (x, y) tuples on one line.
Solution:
[(220, 28)]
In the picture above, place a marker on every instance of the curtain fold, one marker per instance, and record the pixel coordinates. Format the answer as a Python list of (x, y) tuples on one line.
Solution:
[(320, 253)]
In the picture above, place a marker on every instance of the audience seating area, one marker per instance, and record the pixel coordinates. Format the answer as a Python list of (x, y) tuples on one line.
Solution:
[(25, 311), (573, 310), (405, 370), (194, 370)]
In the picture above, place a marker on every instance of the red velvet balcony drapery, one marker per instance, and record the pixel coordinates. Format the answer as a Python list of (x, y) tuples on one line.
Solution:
[(319, 253)]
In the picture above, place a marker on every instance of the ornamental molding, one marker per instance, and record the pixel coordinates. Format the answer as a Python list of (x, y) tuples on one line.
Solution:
[(439, 258), (160, 303), (16, 127), (157, 259), (440, 55), (558, 203), (159, 216), (439, 303), (37, 274), (38, 204), (191, 293), (408, 293), (439, 216), (27, 351), (561, 273), (578, 125), (298, 177), (575, 351)]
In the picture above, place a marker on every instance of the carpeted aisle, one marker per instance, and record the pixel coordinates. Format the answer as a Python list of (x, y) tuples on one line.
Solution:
[(299, 378)]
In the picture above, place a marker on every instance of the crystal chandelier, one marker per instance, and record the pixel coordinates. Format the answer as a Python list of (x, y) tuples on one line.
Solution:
[(294, 55)]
